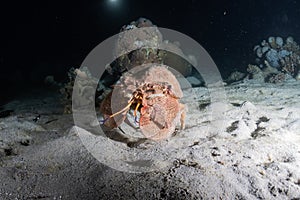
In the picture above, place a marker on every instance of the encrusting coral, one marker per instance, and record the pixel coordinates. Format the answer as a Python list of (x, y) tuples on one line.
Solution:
[(276, 78), (276, 61), (284, 56), (255, 73), (172, 56)]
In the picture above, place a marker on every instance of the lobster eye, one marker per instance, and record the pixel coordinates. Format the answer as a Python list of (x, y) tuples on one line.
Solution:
[(150, 85), (144, 87)]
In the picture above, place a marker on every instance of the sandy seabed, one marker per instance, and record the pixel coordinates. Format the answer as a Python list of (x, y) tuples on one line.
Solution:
[(255, 154)]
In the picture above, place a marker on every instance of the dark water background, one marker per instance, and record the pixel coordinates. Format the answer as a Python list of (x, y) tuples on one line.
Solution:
[(41, 38)]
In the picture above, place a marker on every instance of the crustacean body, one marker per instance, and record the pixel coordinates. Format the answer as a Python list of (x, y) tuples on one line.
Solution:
[(153, 92)]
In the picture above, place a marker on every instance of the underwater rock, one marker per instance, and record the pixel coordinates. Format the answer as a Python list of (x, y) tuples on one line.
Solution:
[(276, 78), (86, 86), (235, 76), (193, 81), (272, 57), (175, 58), (5, 113), (282, 56), (279, 41), (298, 76), (256, 73), (141, 22), (147, 44)]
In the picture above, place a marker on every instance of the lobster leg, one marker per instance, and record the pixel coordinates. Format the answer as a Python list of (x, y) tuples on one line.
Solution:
[(124, 109)]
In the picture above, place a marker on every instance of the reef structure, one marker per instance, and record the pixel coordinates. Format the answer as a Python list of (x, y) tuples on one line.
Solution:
[(162, 51), (277, 61), (282, 55), (141, 40)]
